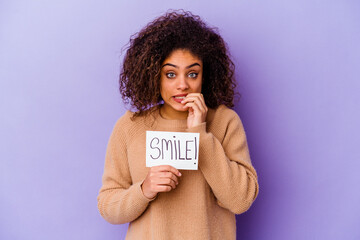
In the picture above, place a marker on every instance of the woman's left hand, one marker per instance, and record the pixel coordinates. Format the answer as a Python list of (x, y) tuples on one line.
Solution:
[(197, 109)]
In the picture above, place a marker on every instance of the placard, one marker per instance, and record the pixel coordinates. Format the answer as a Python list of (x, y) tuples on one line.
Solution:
[(178, 149)]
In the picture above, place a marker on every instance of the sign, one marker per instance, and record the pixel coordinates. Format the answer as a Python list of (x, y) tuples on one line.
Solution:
[(178, 149)]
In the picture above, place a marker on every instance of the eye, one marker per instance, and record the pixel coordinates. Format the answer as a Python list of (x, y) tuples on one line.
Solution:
[(193, 75), (170, 75)]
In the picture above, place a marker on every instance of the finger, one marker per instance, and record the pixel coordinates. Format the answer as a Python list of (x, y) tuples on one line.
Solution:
[(163, 188), (191, 110), (169, 175), (198, 99), (199, 104), (199, 95), (202, 100), (192, 99), (195, 107), (193, 95), (166, 168), (166, 181)]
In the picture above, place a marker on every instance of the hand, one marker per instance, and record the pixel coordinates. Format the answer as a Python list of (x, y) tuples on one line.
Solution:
[(162, 178), (197, 109)]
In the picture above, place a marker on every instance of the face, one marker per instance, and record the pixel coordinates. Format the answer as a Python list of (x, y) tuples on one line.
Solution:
[(181, 73)]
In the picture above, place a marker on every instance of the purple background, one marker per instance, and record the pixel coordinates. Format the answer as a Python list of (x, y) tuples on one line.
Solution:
[(297, 66)]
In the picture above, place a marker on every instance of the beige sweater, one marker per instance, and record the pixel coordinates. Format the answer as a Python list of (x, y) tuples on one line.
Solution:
[(204, 204)]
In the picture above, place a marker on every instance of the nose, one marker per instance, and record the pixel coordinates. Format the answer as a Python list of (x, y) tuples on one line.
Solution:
[(182, 83)]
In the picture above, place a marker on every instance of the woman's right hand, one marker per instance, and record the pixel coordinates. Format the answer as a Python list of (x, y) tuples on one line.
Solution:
[(162, 178)]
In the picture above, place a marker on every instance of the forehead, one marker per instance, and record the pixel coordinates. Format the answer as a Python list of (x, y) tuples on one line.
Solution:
[(182, 57)]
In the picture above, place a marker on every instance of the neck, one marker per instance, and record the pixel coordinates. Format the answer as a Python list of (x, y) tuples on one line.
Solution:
[(171, 114)]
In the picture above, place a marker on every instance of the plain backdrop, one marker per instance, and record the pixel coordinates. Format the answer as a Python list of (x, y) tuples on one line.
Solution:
[(297, 69)]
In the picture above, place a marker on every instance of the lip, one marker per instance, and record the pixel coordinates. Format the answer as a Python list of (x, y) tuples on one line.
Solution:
[(178, 100), (181, 95)]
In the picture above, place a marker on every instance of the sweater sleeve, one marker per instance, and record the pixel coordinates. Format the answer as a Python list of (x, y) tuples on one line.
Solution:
[(226, 166), (119, 200)]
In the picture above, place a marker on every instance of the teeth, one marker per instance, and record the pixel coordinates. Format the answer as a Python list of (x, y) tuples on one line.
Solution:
[(180, 97)]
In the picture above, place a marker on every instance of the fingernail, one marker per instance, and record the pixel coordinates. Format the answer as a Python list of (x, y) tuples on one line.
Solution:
[(179, 173)]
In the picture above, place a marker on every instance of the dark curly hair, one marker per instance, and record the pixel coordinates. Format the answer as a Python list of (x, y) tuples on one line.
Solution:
[(140, 74)]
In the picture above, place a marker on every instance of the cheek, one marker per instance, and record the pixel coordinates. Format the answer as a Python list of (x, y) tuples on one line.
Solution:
[(164, 88), (198, 85)]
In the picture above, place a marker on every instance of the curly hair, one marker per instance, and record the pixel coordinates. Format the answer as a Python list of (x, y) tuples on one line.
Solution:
[(140, 74)]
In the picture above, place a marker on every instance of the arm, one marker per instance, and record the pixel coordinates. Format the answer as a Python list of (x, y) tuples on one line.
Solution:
[(119, 200), (227, 166)]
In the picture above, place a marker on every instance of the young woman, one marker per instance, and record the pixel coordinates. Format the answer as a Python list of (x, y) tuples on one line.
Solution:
[(179, 78)]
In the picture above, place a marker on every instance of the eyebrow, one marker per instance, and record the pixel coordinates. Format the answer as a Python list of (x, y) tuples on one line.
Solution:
[(169, 64)]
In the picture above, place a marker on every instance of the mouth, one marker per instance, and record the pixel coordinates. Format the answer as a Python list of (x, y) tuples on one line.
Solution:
[(178, 98)]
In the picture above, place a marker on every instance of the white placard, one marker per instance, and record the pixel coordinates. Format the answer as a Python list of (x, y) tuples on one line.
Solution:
[(178, 149)]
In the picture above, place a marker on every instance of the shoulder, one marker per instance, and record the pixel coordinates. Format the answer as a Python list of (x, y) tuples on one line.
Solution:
[(223, 122), (129, 124), (125, 120), (124, 123)]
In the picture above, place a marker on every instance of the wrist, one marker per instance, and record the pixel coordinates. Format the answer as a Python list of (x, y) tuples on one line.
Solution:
[(146, 194)]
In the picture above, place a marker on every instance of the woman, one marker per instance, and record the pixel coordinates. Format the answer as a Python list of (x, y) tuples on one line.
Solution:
[(179, 78)]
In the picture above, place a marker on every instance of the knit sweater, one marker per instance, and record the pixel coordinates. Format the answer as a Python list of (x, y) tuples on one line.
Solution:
[(204, 203)]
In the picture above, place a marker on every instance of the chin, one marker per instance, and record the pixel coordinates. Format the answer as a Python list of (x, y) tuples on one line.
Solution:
[(179, 109)]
